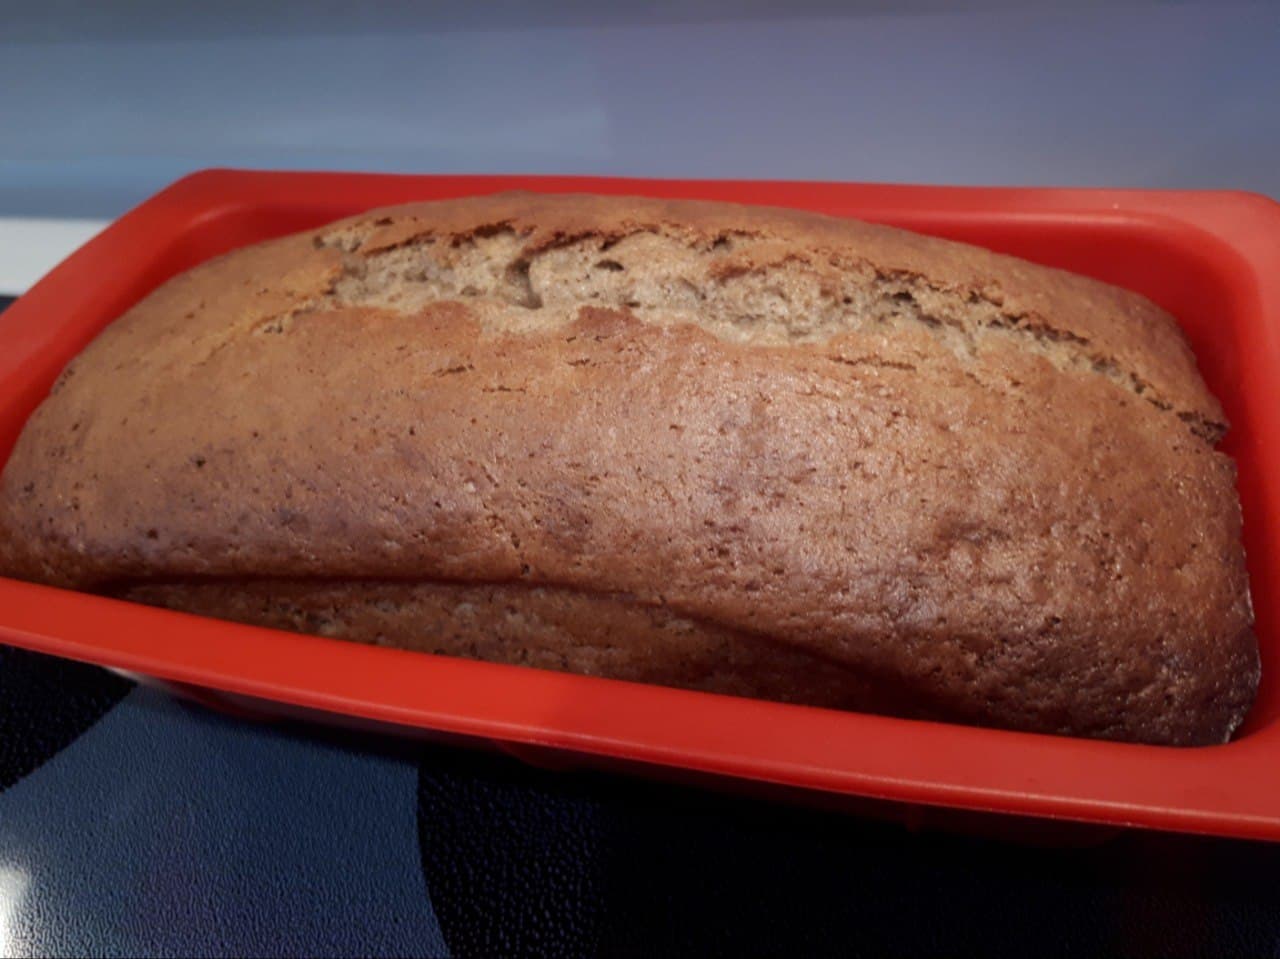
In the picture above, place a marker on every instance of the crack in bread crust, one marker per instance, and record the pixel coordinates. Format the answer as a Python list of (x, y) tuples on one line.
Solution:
[(548, 627), (785, 296), (518, 624)]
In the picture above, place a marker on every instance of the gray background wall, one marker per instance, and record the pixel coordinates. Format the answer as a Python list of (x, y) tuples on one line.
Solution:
[(103, 103)]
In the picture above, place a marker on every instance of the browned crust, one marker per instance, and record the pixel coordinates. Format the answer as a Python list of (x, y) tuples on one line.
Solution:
[(1029, 530)]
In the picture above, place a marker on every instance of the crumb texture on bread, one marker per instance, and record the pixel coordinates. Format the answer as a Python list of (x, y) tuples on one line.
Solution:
[(733, 448)]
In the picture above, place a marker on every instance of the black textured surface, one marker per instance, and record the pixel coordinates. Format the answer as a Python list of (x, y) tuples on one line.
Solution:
[(45, 703), (510, 861), (522, 861)]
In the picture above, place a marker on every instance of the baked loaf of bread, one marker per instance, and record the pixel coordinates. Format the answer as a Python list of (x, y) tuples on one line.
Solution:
[(738, 449)]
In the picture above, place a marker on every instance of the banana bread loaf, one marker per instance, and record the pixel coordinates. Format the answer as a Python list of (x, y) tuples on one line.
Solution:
[(738, 449)]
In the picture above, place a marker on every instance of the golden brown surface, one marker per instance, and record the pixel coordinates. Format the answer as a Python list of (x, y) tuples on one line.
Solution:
[(733, 448)]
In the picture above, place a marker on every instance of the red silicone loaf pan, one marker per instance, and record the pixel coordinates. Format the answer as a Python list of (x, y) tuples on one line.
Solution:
[(1211, 258)]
